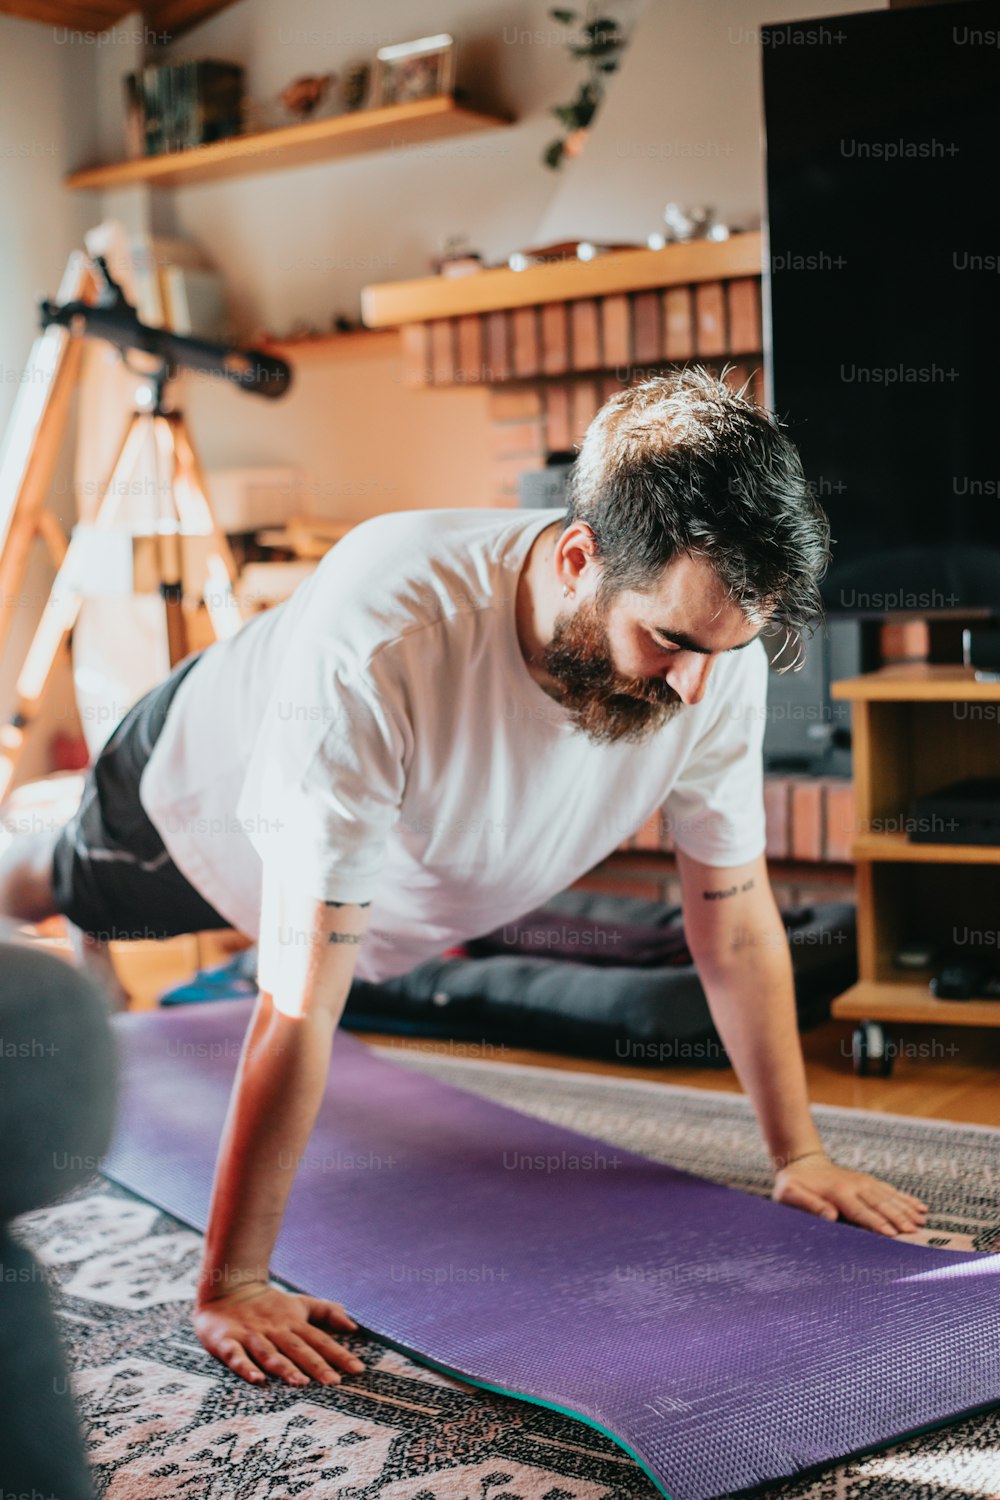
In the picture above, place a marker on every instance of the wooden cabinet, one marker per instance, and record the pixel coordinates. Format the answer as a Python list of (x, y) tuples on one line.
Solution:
[(916, 728)]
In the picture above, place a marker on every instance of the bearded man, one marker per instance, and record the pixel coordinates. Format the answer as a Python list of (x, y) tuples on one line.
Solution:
[(455, 717)]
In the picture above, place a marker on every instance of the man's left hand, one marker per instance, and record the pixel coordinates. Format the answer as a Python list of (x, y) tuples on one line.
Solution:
[(821, 1187)]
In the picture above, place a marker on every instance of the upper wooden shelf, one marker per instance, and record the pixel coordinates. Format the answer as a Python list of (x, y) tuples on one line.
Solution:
[(392, 127), (917, 682), (390, 303)]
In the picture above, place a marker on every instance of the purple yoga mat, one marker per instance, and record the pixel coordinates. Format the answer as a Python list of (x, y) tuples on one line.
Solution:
[(723, 1340)]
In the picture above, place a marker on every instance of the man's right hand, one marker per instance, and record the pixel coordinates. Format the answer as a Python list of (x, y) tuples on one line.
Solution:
[(250, 1326), (260, 1328)]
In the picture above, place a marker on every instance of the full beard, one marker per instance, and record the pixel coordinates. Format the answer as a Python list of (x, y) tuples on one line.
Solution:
[(604, 705)]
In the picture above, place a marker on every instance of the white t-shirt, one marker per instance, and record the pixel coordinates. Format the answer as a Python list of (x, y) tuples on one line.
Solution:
[(378, 737)]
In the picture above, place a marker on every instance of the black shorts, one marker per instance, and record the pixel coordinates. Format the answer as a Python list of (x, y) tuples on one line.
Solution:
[(111, 875)]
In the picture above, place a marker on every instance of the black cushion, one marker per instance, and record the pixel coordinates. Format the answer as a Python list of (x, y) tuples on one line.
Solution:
[(630, 1014)]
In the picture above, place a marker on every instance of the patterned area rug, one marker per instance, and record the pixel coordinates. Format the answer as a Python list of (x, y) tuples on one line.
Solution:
[(163, 1420)]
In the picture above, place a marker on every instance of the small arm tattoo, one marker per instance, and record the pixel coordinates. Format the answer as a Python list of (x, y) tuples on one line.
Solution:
[(345, 937), (339, 904), (731, 890)]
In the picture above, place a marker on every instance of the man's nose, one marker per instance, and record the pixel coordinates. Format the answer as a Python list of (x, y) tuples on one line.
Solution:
[(689, 674)]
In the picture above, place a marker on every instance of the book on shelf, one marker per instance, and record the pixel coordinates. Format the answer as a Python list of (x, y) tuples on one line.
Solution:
[(173, 286), (193, 302), (810, 819), (179, 106)]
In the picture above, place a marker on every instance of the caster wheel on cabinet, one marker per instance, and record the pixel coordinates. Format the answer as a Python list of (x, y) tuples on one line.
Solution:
[(870, 1050)]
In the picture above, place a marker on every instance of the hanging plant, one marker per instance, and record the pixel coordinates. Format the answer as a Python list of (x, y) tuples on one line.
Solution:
[(597, 42)]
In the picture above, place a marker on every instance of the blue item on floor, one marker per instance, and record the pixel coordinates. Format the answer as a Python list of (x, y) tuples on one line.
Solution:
[(232, 980)]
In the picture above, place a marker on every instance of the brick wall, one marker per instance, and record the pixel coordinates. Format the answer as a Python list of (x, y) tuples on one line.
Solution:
[(550, 368)]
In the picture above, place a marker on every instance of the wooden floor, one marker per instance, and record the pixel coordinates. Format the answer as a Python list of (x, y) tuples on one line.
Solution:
[(942, 1073)]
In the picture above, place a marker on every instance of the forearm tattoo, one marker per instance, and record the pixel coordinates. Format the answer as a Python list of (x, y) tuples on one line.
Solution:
[(345, 937), (339, 904), (731, 890)]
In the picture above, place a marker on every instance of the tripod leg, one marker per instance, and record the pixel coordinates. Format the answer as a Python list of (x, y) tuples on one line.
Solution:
[(169, 543), (58, 619), (60, 613), (32, 440), (53, 536), (196, 515)]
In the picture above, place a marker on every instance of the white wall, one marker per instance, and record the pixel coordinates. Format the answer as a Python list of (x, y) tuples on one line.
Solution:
[(682, 119), (685, 122), (368, 442), (46, 129), (302, 243)]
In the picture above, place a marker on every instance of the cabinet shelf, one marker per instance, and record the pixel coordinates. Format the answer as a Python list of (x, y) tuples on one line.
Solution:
[(896, 847), (391, 127), (921, 682), (909, 1001), (917, 727)]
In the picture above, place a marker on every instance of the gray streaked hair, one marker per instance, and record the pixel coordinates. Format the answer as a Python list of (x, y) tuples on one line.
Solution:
[(683, 464)]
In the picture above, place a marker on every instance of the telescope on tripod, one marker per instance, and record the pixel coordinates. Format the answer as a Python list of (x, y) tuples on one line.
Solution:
[(181, 536), (113, 318)]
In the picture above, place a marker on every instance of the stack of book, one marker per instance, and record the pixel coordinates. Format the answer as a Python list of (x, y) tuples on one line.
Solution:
[(809, 818), (177, 288), (177, 106)]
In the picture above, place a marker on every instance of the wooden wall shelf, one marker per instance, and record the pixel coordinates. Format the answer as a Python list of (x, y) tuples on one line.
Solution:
[(358, 344), (393, 127), (390, 303)]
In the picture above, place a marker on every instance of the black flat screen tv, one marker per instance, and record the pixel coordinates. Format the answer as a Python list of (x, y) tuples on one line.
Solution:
[(882, 295)]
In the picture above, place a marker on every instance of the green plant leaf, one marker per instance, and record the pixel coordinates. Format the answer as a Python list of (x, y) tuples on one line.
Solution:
[(568, 115), (597, 43), (595, 51), (602, 48), (605, 27)]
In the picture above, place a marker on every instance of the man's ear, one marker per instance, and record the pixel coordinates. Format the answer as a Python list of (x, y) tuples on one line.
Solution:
[(580, 539)]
